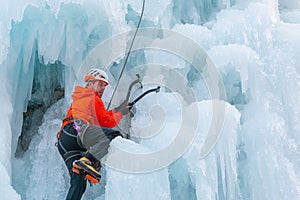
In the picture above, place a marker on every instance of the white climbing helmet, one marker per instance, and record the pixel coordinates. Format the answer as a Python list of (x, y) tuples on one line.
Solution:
[(96, 75)]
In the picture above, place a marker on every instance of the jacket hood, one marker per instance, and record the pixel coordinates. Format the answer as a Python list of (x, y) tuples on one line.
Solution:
[(81, 92)]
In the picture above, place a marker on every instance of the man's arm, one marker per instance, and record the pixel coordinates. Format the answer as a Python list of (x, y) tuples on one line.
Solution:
[(108, 119)]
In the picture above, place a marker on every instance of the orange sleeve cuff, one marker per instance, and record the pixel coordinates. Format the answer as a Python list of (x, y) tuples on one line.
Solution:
[(117, 115)]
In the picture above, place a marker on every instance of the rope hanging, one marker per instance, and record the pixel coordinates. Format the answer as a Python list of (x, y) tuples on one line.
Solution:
[(126, 59)]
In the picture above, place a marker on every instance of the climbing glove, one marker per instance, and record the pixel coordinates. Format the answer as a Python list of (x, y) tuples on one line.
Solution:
[(124, 107)]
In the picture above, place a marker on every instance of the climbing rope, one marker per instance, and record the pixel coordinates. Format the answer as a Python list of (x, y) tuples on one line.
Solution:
[(126, 59)]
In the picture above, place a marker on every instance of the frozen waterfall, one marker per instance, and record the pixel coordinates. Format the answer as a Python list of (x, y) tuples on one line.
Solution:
[(239, 55)]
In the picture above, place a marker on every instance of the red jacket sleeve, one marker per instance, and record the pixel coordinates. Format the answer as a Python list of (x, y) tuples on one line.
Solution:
[(108, 119)]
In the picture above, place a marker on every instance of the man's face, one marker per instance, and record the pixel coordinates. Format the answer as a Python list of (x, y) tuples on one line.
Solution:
[(99, 87)]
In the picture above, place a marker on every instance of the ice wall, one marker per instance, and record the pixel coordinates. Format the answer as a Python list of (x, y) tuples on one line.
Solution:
[(216, 176), (268, 134), (46, 169), (125, 185), (254, 44), (36, 33), (5, 146), (196, 12)]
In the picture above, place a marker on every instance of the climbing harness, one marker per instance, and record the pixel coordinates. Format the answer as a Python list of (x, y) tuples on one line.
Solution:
[(77, 124)]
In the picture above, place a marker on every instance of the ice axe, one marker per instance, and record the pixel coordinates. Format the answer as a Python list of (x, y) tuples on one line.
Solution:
[(128, 117), (139, 80), (157, 89)]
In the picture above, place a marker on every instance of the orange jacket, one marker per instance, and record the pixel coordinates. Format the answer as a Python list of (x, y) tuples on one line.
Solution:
[(88, 106)]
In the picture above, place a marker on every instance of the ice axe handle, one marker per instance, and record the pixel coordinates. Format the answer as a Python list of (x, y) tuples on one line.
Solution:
[(157, 89), (138, 80)]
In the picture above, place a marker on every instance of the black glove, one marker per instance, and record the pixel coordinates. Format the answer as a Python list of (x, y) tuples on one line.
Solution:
[(124, 107)]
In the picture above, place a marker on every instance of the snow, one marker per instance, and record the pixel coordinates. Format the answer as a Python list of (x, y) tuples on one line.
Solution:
[(242, 54)]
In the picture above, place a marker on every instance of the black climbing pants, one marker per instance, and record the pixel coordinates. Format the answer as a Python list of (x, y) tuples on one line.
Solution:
[(71, 146)]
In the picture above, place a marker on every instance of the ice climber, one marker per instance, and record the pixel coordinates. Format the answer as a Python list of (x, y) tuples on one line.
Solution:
[(87, 131)]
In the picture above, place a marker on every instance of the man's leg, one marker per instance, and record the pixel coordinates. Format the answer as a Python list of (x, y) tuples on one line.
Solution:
[(68, 143), (94, 140), (111, 133), (78, 182)]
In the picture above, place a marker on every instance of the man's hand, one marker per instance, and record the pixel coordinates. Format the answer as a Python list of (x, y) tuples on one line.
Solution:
[(123, 107)]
